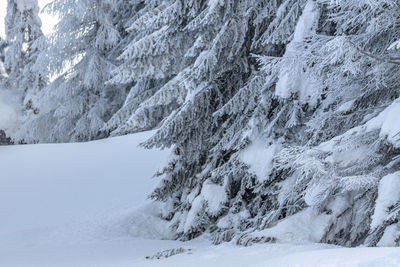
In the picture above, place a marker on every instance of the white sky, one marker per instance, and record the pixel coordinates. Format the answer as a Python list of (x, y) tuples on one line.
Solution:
[(47, 21)]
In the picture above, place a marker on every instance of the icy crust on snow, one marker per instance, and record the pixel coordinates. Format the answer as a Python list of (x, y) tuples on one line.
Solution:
[(388, 195)]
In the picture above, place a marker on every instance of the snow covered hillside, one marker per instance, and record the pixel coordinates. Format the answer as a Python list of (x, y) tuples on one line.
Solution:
[(86, 205)]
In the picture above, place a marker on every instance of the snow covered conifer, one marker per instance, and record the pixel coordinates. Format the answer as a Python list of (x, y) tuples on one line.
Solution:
[(193, 56), (23, 39), (321, 104), (22, 29), (77, 103), (3, 46), (304, 107)]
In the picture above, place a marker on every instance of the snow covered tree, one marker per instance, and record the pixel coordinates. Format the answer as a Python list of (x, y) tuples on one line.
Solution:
[(259, 139), (23, 38), (3, 46), (4, 140), (22, 29), (193, 57), (77, 103), (320, 101)]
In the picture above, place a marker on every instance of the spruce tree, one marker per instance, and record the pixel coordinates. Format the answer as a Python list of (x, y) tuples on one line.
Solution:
[(24, 39), (193, 56), (22, 29), (78, 102), (3, 46), (4, 140), (316, 113), (306, 103)]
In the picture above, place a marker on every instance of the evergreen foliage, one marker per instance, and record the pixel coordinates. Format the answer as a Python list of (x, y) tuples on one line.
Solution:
[(3, 46), (78, 102), (275, 110)]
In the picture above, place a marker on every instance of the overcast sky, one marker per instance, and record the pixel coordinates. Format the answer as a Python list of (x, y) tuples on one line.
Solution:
[(47, 21)]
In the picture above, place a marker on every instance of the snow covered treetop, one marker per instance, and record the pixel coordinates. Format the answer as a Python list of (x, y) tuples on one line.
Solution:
[(23, 5)]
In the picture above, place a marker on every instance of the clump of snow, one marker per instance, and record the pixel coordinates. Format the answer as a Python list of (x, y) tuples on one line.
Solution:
[(233, 220), (212, 198), (293, 79), (392, 232), (259, 156), (143, 222), (306, 225), (388, 122), (2, 70), (347, 158), (346, 107), (215, 197), (23, 5), (307, 22), (339, 204), (388, 195), (213, 3), (394, 45), (197, 206)]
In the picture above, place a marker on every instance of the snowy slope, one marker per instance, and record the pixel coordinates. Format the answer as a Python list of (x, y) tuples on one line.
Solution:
[(85, 205), (53, 197), (45, 185)]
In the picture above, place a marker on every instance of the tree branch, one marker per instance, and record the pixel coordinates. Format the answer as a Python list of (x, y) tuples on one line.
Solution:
[(390, 60)]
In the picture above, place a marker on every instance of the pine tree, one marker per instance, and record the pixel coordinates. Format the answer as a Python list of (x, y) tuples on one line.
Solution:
[(3, 46), (305, 103), (4, 140), (193, 56), (24, 39), (77, 103), (22, 29), (318, 102)]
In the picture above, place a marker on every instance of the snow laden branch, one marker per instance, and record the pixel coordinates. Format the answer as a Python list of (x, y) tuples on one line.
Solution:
[(391, 60)]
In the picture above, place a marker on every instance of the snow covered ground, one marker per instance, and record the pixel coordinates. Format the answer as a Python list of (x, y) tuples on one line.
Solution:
[(86, 205)]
